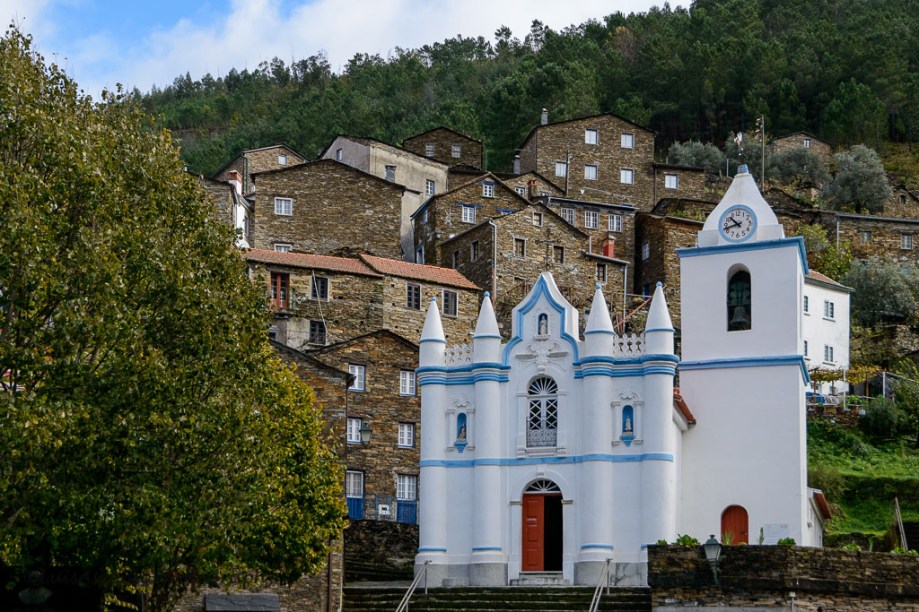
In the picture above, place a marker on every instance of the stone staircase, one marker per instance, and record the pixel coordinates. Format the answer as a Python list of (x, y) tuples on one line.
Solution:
[(494, 599)]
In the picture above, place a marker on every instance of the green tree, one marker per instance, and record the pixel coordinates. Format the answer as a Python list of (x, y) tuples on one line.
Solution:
[(906, 395), (800, 165), (883, 292), (147, 433), (860, 182), (822, 254), (696, 154)]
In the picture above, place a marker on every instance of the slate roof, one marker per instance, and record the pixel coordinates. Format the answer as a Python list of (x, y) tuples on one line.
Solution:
[(421, 272), (310, 261), (442, 127)]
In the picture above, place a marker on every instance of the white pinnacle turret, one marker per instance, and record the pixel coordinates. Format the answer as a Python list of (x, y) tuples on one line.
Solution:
[(598, 335), (486, 341), (433, 341), (659, 326)]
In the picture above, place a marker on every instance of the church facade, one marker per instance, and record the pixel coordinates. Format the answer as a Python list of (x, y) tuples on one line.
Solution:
[(554, 453)]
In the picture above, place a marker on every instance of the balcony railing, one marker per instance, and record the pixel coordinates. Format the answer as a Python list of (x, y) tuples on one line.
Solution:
[(382, 508)]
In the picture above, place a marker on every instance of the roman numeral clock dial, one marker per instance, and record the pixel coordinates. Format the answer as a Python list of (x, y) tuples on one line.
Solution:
[(737, 223)]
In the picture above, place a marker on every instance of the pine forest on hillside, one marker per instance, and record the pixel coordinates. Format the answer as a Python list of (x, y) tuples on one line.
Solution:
[(844, 70)]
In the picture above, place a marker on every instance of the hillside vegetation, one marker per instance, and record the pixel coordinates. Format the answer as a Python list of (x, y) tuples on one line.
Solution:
[(845, 70)]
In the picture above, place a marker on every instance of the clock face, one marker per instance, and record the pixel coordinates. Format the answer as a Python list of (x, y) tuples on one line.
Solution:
[(737, 223)]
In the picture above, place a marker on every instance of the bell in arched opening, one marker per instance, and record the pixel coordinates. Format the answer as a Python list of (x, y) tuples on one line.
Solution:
[(739, 307)]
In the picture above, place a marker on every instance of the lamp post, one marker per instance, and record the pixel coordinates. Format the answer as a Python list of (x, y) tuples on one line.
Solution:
[(712, 550)]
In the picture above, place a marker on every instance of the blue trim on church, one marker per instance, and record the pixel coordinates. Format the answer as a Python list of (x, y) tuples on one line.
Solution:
[(541, 288), (749, 362), (512, 461), (780, 243)]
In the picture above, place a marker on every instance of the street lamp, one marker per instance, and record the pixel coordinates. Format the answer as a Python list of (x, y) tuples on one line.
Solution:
[(712, 550), (365, 433)]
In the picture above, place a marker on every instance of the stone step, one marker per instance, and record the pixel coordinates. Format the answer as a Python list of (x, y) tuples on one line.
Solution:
[(517, 599)]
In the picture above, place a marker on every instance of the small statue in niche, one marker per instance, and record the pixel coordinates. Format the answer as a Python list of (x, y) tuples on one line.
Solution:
[(542, 328), (461, 428), (628, 425)]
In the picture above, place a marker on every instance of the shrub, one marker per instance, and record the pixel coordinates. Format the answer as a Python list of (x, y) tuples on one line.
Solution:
[(828, 480), (786, 542), (881, 418), (686, 540)]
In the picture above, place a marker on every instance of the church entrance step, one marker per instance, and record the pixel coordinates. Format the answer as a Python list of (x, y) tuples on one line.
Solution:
[(540, 579)]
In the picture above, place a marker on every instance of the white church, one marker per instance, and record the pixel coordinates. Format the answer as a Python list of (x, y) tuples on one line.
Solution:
[(553, 453)]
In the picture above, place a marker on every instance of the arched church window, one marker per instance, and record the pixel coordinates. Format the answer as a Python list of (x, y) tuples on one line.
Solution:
[(740, 315), (543, 486), (542, 420)]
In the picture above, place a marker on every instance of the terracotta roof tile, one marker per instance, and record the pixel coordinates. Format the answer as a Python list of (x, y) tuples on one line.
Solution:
[(432, 274), (681, 405), (308, 260), (823, 278)]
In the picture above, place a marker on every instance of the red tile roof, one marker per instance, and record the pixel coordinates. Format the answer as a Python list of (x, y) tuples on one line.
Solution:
[(307, 260), (823, 278), (431, 274), (681, 405)]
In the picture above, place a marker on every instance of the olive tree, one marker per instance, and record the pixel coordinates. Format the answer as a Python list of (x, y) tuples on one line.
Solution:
[(148, 435), (860, 183)]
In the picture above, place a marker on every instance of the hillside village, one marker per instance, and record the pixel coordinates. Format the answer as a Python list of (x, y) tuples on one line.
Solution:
[(352, 247)]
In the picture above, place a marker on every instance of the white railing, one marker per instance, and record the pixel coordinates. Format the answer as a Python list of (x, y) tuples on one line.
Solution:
[(422, 573), (602, 585), (458, 355), (629, 345)]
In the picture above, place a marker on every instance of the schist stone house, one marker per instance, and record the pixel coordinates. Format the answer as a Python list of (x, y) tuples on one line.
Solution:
[(552, 452)]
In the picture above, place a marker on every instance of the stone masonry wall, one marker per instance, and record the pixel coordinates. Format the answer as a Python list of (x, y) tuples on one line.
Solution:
[(664, 235), (566, 140), (623, 241), (377, 550), (757, 577), (443, 140), (445, 214), (335, 207), (408, 322), (795, 141), (534, 186), (885, 240), (691, 183), (479, 270), (258, 160)]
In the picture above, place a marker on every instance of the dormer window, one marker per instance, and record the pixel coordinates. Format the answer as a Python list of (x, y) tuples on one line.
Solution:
[(429, 150), (282, 160), (739, 302)]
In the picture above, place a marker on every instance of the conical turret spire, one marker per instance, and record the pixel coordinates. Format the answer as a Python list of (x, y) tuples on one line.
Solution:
[(599, 319), (487, 325), (433, 328)]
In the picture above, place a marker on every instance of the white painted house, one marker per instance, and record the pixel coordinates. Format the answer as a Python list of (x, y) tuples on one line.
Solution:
[(825, 313), (553, 453)]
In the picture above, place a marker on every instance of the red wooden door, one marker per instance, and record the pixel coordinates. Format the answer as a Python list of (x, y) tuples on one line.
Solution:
[(533, 533), (734, 522)]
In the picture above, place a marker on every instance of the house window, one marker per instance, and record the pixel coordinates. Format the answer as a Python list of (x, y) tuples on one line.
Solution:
[(906, 242), (456, 150), (671, 181), (280, 289), (807, 143), (864, 236), (902, 199), (406, 487), (568, 215), (449, 303), (626, 176), (413, 296), (544, 194), (520, 247), (542, 417), (590, 136), (429, 150), (391, 173), (805, 348), (590, 172), (428, 187), (828, 354), (829, 310), (354, 430), (354, 481), (319, 288), (280, 247), (561, 168), (317, 332), (558, 254), (537, 219), (591, 219), (282, 160), (627, 141), (468, 214), (488, 190), (474, 250), (601, 273), (807, 306), (407, 434), (739, 305), (455, 261), (645, 250), (521, 191), (360, 377), (337, 154), (283, 206), (406, 382), (615, 223)]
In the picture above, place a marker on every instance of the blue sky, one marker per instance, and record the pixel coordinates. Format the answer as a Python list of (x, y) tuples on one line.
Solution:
[(101, 43)]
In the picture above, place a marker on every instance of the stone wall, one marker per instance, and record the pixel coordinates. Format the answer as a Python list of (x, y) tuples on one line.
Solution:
[(623, 242), (534, 185), (884, 237), (335, 207), (408, 322), (480, 270), (259, 160), (761, 577), (443, 140), (691, 183), (380, 550), (556, 142), (663, 236), (804, 140)]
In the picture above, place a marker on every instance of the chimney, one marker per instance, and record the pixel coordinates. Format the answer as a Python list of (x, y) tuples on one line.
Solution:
[(609, 247), (532, 188), (233, 179), (544, 119), (516, 164)]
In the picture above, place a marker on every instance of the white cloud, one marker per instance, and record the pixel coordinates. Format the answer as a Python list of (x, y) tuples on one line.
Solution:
[(252, 31)]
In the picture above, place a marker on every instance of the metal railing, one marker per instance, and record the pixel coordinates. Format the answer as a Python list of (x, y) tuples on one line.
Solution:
[(422, 573), (382, 508), (602, 585)]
